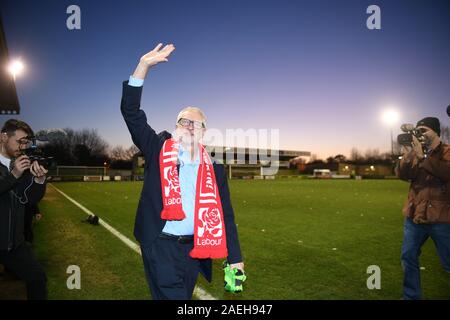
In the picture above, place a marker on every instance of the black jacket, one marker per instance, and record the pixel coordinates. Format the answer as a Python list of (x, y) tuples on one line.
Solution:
[(11, 210), (148, 223)]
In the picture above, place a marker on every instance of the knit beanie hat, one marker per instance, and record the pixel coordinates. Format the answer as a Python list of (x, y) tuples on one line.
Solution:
[(432, 123)]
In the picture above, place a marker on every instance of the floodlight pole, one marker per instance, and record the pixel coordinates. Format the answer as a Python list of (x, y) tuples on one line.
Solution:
[(392, 144)]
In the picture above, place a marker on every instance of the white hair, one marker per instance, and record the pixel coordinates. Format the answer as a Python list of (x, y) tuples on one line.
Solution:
[(188, 109)]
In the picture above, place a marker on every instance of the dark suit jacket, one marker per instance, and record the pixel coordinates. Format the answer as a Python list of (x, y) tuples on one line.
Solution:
[(148, 223), (11, 210)]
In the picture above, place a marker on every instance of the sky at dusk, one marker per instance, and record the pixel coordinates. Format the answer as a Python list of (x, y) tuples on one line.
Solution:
[(311, 69)]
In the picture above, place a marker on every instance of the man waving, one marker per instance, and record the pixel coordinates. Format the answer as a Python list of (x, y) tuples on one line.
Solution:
[(184, 218)]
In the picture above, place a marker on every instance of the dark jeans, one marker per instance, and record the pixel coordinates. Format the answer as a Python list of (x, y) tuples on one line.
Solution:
[(415, 236), (22, 262), (171, 273)]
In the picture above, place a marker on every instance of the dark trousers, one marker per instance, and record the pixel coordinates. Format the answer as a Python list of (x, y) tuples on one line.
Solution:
[(171, 273), (414, 237), (22, 262), (28, 226)]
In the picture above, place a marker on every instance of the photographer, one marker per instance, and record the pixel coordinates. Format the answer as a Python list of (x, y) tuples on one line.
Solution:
[(426, 165), (21, 182)]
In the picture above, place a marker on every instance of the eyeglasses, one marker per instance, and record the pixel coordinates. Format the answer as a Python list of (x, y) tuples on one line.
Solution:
[(186, 123), (23, 141)]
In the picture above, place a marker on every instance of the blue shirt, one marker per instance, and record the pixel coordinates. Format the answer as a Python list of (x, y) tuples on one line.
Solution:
[(188, 182), (135, 82)]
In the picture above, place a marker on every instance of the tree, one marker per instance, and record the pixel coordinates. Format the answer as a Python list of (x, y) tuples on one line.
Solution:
[(331, 160), (119, 153), (122, 158), (91, 140), (82, 154), (85, 147), (372, 155), (355, 155), (340, 158)]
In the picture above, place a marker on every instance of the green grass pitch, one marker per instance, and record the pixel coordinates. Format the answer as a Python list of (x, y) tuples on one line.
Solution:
[(301, 239)]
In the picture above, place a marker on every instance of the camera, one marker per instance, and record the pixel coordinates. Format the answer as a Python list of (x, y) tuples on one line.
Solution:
[(406, 139), (36, 154)]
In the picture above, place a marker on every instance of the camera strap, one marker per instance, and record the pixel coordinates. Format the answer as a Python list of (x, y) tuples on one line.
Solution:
[(24, 193)]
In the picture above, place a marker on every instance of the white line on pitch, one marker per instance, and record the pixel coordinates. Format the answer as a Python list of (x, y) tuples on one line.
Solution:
[(198, 291)]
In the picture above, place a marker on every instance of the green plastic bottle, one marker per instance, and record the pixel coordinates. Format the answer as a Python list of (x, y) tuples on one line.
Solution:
[(234, 278)]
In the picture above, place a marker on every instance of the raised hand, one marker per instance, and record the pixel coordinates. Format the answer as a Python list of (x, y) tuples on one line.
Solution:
[(417, 147), (157, 55), (152, 58), (21, 164), (38, 171)]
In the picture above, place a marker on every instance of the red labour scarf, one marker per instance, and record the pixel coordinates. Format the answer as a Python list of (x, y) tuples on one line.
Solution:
[(209, 226)]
